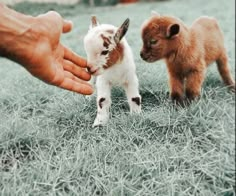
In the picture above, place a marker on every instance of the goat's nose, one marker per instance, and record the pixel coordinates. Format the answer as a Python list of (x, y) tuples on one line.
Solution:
[(92, 70), (88, 69), (142, 55)]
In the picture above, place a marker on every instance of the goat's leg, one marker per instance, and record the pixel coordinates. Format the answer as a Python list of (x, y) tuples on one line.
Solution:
[(224, 70), (103, 102), (132, 93)]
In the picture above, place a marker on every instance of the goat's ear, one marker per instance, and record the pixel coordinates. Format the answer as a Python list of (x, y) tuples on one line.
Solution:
[(154, 13), (173, 31), (120, 33), (94, 22)]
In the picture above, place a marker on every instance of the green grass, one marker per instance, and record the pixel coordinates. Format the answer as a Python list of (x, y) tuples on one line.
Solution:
[(48, 145)]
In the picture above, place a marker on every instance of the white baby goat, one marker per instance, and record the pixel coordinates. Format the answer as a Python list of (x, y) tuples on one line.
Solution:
[(111, 60)]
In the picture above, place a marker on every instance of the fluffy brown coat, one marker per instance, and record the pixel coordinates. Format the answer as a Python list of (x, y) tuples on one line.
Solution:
[(187, 52)]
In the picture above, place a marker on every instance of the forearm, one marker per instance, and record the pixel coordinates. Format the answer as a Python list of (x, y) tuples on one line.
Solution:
[(12, 26)]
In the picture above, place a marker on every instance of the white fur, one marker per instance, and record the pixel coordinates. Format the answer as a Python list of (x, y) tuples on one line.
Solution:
[(122, 73)]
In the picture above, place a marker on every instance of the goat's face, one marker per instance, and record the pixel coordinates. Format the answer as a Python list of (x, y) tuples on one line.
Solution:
[(160, 35), (102, 45)]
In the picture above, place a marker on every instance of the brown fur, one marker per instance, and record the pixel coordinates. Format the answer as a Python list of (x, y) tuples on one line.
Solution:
[(106, 41), (115, 56), (110, 31), (187, 52)]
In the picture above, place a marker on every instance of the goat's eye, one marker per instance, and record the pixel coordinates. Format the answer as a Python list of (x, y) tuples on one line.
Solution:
[(104, 52), (153, 41)]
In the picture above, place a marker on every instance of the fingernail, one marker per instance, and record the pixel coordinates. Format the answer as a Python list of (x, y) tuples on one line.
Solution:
[(69, 21)]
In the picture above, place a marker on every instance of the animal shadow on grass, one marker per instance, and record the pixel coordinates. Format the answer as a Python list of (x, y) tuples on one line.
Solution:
[(214, 88), (150, 99), (212, 81), (153, 98)]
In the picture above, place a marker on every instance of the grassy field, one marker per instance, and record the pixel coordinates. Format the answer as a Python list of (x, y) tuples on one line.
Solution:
[(48, 145)]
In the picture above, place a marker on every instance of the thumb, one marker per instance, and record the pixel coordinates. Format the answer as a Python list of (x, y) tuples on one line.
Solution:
[(67, 26)]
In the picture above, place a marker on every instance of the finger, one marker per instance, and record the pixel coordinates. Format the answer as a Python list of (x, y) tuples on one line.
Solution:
[(77, 87), (73, 77), (73, 57), (67, 26), (77, 71)]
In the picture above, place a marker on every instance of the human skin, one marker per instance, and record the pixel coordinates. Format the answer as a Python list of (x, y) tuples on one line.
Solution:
[(34, 42)]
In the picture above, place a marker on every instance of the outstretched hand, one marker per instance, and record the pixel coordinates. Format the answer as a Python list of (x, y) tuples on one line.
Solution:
[(39, 50)]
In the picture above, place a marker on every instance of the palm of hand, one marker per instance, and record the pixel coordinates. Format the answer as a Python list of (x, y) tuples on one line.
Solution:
[(52, 62)]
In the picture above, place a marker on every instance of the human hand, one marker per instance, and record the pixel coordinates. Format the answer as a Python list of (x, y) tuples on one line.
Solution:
[(39, 50)]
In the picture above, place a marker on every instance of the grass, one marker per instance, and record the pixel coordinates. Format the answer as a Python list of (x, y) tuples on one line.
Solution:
[(48, 145)]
